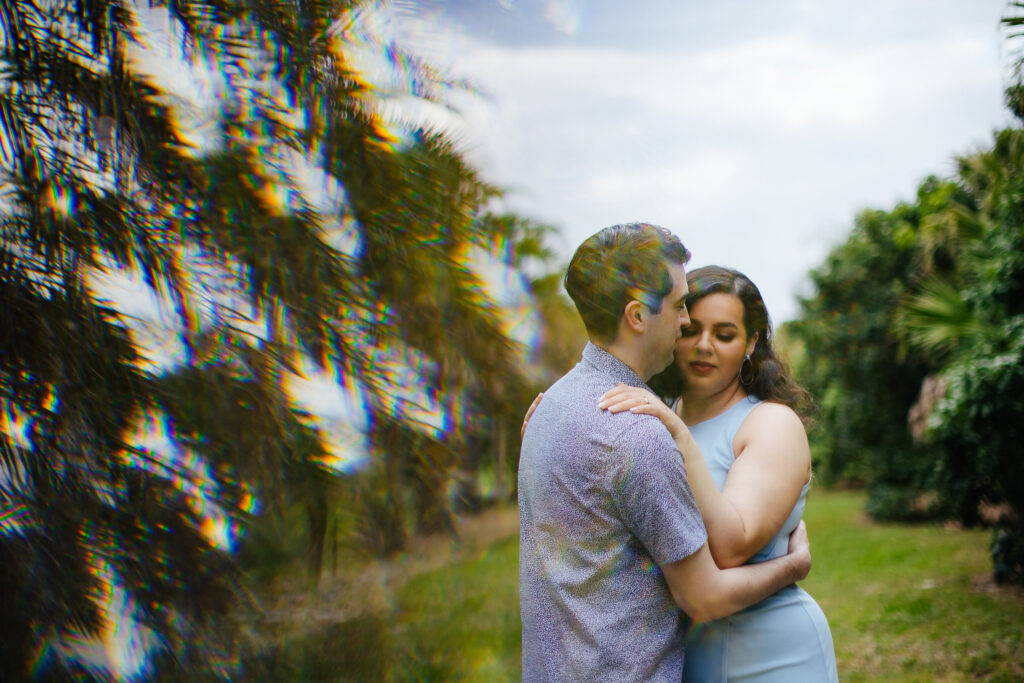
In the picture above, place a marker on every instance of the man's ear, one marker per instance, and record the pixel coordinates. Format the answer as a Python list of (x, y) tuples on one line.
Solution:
[(635, 316)]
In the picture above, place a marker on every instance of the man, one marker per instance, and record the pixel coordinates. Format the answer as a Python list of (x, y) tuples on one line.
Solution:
[(612, 544)]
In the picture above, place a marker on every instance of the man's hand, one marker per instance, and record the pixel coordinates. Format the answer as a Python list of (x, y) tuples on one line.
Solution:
[(800, 550), (529, 412)]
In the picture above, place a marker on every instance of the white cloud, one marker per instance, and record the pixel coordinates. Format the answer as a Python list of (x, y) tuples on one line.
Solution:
[(756, 147), (695, 180)]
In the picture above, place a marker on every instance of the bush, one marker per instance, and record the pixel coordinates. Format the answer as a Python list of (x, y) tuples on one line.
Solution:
[(1008, 555)]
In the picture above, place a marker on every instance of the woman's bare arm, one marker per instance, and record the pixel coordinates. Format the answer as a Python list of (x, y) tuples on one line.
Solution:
[(772, 465)]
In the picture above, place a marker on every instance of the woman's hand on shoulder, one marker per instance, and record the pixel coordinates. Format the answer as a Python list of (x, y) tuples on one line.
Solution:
[(641, 402)]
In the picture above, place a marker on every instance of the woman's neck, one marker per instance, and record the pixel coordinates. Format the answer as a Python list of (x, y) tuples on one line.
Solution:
[(700, 407)]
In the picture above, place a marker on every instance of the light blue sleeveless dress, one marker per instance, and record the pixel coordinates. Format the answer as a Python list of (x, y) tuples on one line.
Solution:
[(782, 639)]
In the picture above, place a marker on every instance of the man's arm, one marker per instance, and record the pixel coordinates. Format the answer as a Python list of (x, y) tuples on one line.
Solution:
[(705, 592)]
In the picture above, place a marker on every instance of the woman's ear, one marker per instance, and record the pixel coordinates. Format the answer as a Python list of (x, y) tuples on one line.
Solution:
[(635, 316), (752, 343)]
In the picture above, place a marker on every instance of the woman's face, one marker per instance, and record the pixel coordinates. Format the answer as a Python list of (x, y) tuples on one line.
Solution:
[(711, 350)]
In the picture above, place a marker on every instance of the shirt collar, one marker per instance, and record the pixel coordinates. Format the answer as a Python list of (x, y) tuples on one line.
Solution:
[(610, 365)]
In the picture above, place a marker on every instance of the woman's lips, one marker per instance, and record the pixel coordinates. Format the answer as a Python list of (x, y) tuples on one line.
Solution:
[(702, 368)]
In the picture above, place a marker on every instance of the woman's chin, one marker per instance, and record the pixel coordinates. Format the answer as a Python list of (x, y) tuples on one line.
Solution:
[(703, 386)]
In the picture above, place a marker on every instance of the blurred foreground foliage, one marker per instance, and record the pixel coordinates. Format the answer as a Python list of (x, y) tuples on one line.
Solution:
[(173, 260)]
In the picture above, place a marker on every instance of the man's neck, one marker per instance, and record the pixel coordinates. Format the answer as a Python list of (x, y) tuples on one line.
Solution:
[(628, 354)]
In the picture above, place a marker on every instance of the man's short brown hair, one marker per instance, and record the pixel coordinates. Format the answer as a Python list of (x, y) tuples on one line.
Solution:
[(617, 265)]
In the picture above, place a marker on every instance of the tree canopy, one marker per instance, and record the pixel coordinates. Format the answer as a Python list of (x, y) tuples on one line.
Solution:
[(912, 344)]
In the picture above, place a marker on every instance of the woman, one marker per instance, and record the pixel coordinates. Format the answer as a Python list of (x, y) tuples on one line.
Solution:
[(735, 418)]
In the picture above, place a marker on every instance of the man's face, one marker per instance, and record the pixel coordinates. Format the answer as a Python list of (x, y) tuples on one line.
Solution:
[(664, 327)]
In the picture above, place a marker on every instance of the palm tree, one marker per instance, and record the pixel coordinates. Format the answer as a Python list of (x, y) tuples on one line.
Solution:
[(99, 177), (970, 324)]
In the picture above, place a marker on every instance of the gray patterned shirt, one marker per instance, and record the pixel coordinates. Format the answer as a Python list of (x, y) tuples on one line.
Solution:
[(603, 502)]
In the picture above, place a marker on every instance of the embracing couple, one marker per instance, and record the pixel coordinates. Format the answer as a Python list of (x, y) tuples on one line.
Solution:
[(637, 506)]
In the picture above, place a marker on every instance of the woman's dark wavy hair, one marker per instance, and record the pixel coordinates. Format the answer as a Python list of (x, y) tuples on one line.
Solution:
[(772, 379)]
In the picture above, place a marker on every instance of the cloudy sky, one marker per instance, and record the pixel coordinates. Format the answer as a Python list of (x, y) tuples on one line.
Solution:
[(754, 129)]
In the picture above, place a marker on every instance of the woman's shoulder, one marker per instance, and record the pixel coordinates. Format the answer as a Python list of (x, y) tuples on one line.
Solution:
[(773, 408), (772, 418), (774, 431)]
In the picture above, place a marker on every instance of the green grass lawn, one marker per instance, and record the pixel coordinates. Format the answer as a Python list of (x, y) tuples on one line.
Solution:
[(910, 602), (906, 603)]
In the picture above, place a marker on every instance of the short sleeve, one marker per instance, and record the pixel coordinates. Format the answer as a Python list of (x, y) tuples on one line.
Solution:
[(647, 480)]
